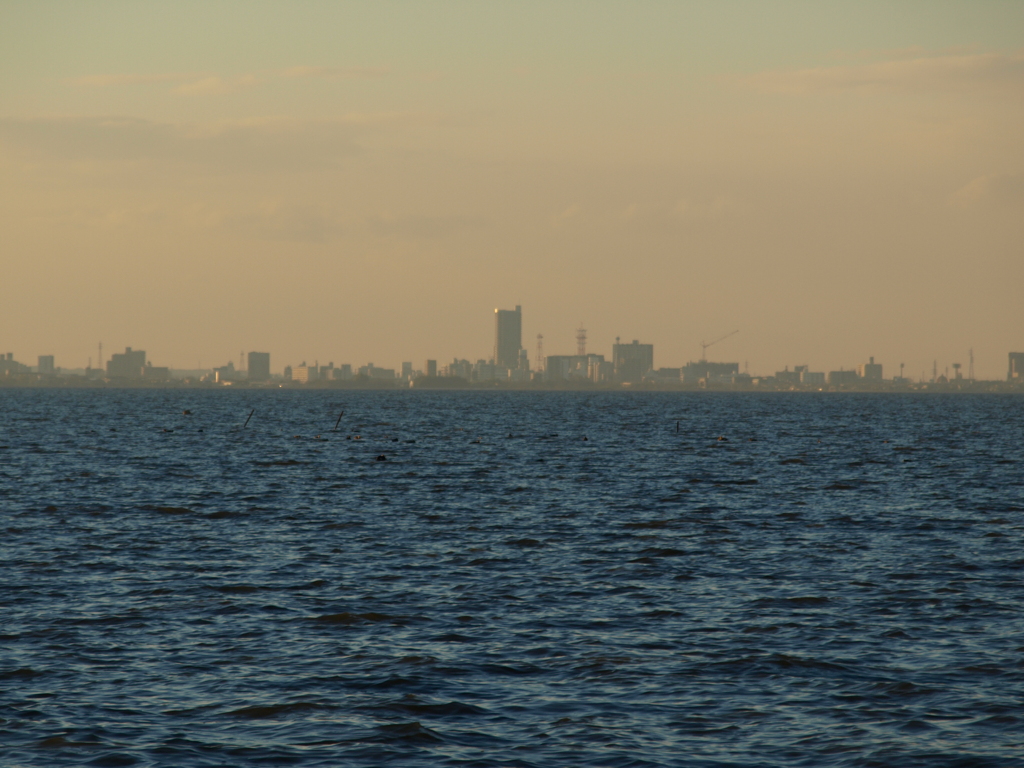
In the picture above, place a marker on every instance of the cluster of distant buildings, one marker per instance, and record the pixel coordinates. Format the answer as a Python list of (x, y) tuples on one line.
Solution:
[(630, 365)]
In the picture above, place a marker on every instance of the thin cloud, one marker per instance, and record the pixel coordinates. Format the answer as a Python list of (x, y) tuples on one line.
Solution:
[(928, 72), (214, 86), (197, 84), (422, 227), (429, 76), (712, 208), (286, 223), (572, 212), (997, 190), (337, 73), (108, 81), (236, 146), (207, 86), (692, 208)]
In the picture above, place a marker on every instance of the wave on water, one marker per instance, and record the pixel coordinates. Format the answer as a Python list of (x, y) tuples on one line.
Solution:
[(780, 581)]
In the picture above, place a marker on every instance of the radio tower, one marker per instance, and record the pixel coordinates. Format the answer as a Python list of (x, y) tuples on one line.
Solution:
[(540, 351), (970, 369), (100, 358), (581, 341)]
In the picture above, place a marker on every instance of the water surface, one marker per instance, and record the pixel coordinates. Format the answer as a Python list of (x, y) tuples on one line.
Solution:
[(524, 579)]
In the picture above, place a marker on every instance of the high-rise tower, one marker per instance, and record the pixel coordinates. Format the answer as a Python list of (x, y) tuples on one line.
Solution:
[(508, 336), (259, 366)]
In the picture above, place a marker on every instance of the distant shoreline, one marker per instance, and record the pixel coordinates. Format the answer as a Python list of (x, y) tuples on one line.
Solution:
[(441, 385)]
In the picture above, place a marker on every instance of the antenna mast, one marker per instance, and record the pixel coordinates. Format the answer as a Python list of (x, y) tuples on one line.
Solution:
[(970, 369)]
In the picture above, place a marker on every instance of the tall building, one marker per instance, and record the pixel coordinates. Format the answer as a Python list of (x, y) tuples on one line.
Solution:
[(1016, 372), (259, 366), (430, 369), (46, 364), (632, 361), (128, 365), (871, 371), (508, 336)]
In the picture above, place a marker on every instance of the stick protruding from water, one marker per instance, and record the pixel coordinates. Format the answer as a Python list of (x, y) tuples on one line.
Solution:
[(247, 420), (338, 421)]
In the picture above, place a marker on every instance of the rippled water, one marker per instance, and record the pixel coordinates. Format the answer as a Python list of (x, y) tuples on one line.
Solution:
[(526, 579)]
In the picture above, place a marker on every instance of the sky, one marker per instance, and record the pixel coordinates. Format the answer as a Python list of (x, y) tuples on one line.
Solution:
[(367, 182)]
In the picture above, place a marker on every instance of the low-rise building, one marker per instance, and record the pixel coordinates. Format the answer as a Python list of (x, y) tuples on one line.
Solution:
[(1016, 370), (812, 378), (10, 367), (694, 373), (226, 373), (486, 370), (664, 376), (305, 373), (790, 377), (371, 371), (570, 367), (842, 378), (126, 365), (462, 369), (599, 370), (152, 372)]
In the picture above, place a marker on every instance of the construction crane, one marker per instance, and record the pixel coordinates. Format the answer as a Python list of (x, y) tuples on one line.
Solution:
[(704, 345)]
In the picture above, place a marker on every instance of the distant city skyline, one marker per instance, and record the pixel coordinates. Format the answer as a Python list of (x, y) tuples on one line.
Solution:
[(366, 181), (987, 364), (510, 361)]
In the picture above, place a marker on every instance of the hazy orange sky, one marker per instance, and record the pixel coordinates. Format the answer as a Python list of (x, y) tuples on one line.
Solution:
[(366, 182)]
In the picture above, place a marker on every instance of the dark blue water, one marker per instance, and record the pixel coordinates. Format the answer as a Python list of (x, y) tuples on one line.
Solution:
[(527, 579)]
